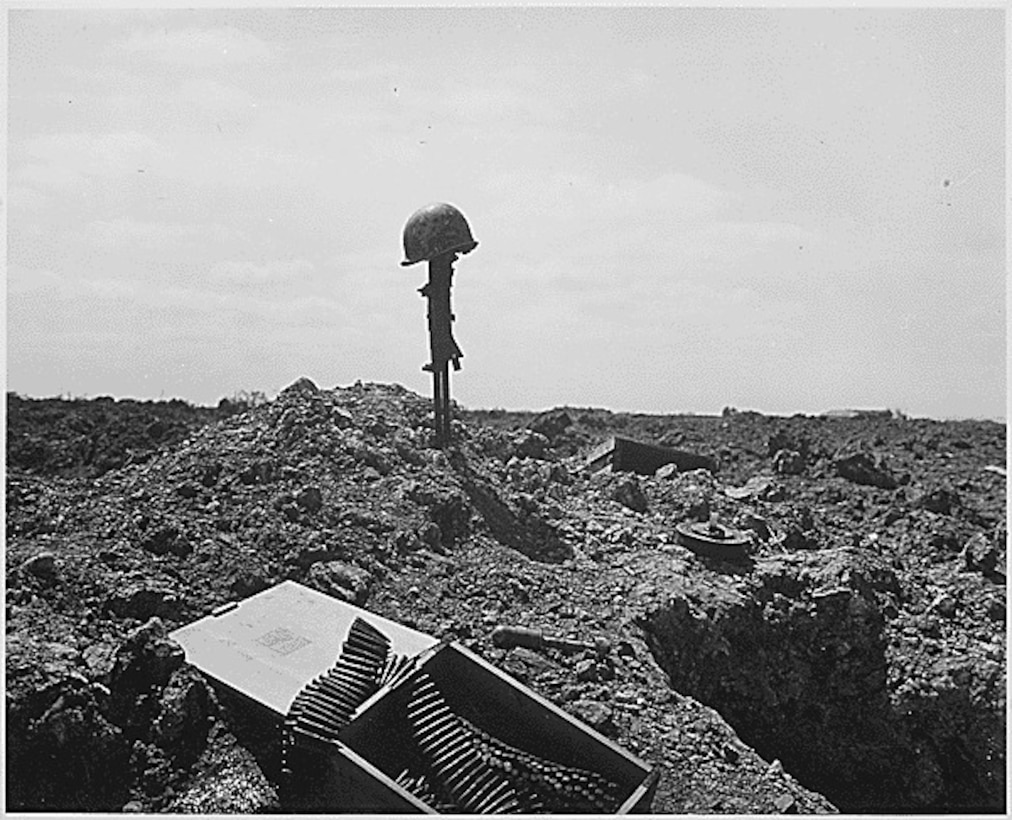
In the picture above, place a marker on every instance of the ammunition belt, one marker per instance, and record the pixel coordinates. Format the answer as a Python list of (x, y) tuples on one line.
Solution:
[(327, 703), (462, 768), (455, 767)]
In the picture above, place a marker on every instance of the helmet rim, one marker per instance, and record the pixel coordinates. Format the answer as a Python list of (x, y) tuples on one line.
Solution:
[(463, 247)]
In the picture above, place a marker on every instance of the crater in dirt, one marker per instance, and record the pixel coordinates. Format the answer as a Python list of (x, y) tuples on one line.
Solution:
[(799, 659)]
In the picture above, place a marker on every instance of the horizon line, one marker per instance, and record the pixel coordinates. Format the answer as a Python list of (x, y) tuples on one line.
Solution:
[(832, 412)]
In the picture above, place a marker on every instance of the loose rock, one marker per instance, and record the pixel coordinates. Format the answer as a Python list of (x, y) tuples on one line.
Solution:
[(789, 462), (666, 471), (586, 670), (551, 424), (983, 554), (940, 500), (861, 468), (629, 494), (145, 599), (310, 499), (594, 714), (167, 539), (344, 581)]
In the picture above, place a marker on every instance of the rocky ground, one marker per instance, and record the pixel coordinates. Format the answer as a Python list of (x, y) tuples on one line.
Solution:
[(854, 661)]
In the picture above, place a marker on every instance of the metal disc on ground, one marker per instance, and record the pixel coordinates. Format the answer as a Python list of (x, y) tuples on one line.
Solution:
[(713, 540)]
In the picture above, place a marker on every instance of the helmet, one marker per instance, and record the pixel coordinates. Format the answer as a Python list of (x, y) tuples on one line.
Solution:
[(434, 230)]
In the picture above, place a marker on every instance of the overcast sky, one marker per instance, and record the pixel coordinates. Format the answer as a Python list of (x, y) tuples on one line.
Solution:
[(677, 209)]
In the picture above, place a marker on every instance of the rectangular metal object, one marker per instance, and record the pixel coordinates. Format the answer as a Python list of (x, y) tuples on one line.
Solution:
[(272, 644), (334, 778), (620, 454), (495, 703)]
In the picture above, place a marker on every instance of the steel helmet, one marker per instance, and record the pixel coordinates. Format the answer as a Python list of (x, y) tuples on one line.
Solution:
[(434, 230)]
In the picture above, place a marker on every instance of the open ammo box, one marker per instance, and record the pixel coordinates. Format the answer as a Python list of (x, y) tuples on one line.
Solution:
[(447, 732)]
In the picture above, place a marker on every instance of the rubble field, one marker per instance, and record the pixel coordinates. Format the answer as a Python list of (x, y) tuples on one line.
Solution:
[(855, 661)]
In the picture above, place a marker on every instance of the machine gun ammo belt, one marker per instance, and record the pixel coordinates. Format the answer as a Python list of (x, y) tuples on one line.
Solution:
[(447, 761), (326, 704), (461, 768)]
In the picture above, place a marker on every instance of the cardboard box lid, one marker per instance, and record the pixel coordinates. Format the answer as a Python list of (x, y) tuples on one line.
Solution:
[(270, 645)]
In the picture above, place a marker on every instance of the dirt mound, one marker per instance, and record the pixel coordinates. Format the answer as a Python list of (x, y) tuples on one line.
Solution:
[(861, 646)]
